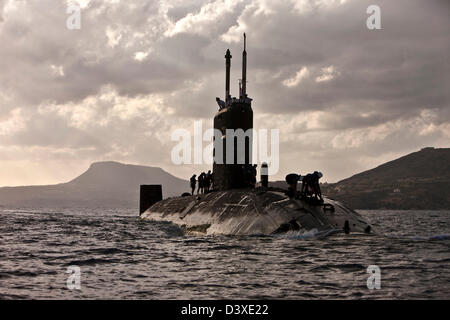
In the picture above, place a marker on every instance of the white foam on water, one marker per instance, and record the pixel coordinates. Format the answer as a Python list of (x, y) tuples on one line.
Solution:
[(309, 234)]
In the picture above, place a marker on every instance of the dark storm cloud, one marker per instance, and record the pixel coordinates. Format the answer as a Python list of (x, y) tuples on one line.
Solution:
[(399, 69)]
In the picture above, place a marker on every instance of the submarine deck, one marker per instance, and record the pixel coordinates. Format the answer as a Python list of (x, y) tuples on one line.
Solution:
[(252, 211)]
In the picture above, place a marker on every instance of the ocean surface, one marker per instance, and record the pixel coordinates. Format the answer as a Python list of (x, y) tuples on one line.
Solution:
[(121, 257)]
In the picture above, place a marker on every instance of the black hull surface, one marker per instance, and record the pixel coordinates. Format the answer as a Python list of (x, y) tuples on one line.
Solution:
[(252, 212)]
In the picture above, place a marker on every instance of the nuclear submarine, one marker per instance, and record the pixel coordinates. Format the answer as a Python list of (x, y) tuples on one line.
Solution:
[(234, 208)]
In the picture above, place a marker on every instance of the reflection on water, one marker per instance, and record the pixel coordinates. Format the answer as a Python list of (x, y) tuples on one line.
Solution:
[(123, 258)]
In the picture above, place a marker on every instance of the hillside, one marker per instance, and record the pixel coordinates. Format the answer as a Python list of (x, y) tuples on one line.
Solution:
[(420, 180), (104, 184)]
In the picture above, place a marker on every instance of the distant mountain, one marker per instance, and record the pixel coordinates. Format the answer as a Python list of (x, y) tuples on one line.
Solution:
[(420, 180), (104, 184)]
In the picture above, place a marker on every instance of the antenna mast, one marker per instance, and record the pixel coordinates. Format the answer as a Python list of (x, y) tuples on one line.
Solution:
[(227, 75), (244, 69)]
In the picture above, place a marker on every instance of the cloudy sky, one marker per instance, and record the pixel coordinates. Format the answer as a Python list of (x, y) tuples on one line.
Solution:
[(345, 98)]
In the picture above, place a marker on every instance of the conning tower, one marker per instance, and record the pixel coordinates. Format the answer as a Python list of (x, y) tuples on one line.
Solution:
[(235, 114)]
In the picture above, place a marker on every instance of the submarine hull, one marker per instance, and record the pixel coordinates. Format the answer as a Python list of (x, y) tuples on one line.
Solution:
[(258, 211)]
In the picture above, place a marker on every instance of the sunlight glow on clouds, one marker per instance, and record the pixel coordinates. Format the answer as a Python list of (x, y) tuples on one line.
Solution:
[(141, 56), (328, 73), (293, 82), (14, 123), (206, 18)]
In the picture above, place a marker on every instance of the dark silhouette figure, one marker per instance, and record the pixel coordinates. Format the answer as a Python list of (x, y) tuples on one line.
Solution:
[(305, 182), (208, 180), (315, 186), (211, 179), (292, 180), (201, 183), (221, 103), (311, 186), (193, 183)]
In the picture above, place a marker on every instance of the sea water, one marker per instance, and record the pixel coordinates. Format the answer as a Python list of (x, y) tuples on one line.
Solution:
[(119, 256)]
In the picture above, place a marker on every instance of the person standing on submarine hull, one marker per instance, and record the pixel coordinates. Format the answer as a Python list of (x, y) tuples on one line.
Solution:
[(305, 188), (201, 183), (204, 183), (292, 180), (193, 183), (211, 178), (208, 181), (316, 192), (311, 187)]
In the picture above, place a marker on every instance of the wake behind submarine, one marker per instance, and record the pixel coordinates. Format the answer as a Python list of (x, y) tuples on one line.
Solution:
[(234, 208)]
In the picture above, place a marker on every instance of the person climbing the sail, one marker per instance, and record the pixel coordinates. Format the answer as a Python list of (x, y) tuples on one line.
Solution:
[(221, 103)]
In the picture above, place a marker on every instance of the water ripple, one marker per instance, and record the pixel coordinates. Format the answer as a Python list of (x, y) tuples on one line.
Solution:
[(123, 257)]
